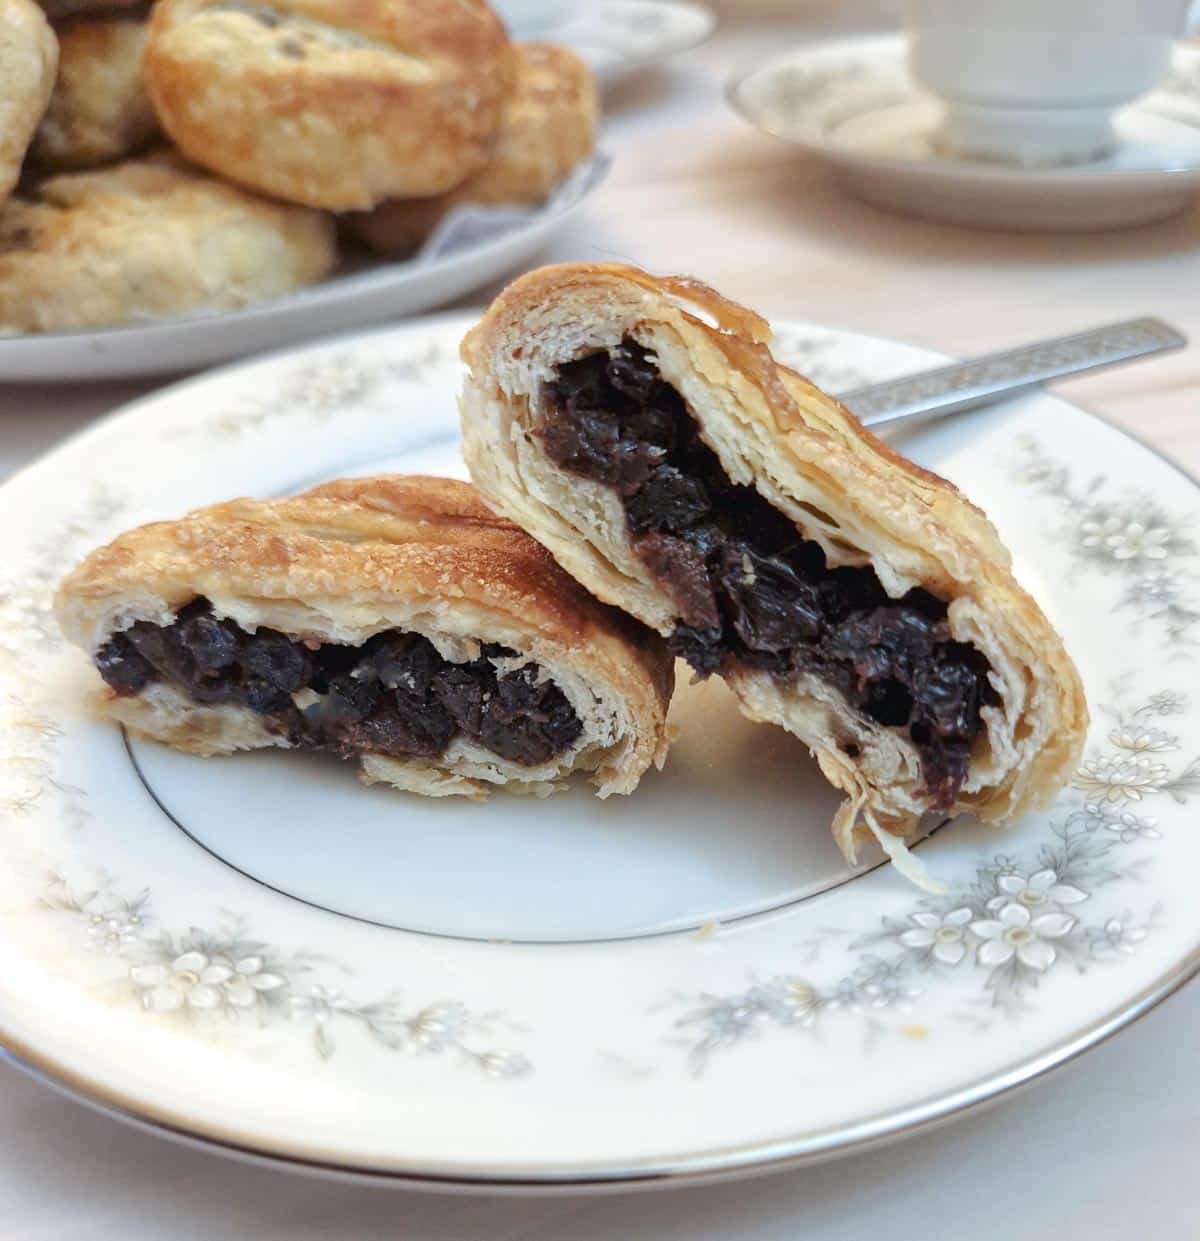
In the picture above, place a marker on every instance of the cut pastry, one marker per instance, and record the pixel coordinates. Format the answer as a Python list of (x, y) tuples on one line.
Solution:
[(640, 429), (395, 621)]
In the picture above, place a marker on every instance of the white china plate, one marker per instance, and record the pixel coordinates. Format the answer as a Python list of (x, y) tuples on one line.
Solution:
[(852, 102), (615, 37), (481, 247), (263, 955)]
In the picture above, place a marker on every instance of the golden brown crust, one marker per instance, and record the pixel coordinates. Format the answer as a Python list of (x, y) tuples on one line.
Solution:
[(28, 63), (547, 128), (336, 104), (99, 111), (120, 244), (352, 558), (809, 458)]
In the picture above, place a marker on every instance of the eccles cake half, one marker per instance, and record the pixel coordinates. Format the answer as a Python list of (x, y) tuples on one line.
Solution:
[(395, 621), (640, 429)]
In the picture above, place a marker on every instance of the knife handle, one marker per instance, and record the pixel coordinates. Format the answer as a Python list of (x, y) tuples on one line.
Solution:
[(994, 376)]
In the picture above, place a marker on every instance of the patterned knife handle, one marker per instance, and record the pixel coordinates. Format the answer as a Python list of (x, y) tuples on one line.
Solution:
[(980, 381)]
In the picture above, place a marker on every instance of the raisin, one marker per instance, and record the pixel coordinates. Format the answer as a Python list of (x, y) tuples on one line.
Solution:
[(124, 669), (276, 659)]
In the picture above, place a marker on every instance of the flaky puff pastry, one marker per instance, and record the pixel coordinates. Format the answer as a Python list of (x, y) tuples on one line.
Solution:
[(811, 459), (357, 557)]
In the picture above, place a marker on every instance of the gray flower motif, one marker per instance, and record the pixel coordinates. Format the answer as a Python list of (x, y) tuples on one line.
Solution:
[(847, 995), (1141, 740), (1158, 590), (437, 1027), (321, 1003), (337, 381), (1016, 932), (249, 982), (504, 1064), (1115, 936), (787, 1001), (1130, 827), (886, 989), (192, 981), (1167, 702), (1093, 816), (722, 1022), (727, 1021), (1121, 779), (1122, 540), (113, 929), (1034, 891), (941, 936), (1041, 472)]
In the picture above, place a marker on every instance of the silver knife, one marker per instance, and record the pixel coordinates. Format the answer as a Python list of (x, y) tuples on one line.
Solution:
[(995, 376)]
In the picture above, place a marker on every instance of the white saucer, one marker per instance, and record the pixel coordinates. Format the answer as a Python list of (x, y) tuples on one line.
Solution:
[(852, 102), (616, 37)]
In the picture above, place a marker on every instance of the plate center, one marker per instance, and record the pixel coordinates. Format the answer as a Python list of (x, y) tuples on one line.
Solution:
[(737, 823)]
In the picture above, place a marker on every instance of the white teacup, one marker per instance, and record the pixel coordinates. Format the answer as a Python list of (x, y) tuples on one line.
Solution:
[(524, 18), (1036, 82)]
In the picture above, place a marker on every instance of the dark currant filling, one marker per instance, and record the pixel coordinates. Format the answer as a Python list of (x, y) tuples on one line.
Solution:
[(748, 588), (395, 695)]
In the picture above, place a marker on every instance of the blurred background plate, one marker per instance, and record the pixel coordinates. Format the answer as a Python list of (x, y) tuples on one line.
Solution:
[(615, 38), (484, 247), (852, 103)]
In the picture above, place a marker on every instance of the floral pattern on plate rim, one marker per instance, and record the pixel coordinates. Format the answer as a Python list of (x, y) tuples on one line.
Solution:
[(1013, 925), (1016, 923), (1130, 537), (205, 978), (226, 976)]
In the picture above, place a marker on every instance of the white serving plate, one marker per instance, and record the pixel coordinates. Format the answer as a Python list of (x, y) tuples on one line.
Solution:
[(476, 249), (617, 38), (261, 955)]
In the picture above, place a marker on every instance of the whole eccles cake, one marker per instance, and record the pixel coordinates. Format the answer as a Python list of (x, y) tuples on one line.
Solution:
[(99, 111), (332, 105), (121, 244), (547, 127), (28, 63)]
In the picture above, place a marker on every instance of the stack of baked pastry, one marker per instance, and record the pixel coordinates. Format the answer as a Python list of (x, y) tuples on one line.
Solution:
[(202, 155)]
